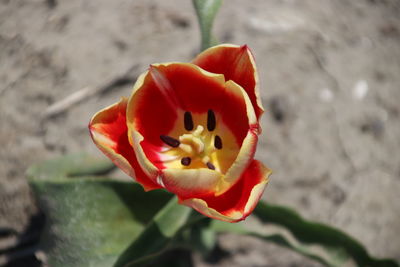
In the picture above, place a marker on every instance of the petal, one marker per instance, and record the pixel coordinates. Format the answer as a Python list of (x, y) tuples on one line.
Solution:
[(191, 182), (136, 140), (235, 63), (165, 92), (242, 115), (241, 163), (110, 134), (238, 202), (152, 99)]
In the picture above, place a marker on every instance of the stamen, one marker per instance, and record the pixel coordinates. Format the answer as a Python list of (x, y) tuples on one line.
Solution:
[(188, 121), (211, 120), (218, 142), (186, 161), (166, 158), (205, 159), (170, 140), (210, 166), (187, 148)]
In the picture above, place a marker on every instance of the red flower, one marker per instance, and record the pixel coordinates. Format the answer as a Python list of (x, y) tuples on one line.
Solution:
[(192, 128)]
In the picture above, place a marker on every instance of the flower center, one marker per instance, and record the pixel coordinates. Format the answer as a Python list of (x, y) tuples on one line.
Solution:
[(192, 143), (195, 148)]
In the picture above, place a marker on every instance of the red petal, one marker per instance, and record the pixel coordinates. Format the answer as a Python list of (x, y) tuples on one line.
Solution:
[(151, 108), (235, 63), (239, 201), (110, 134), (166, 91), (153, 113), (241, 164)]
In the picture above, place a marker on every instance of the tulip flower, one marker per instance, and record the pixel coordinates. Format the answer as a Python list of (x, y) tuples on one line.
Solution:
[(192, 128)]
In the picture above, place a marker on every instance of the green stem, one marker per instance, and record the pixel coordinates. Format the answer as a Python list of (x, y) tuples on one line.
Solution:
[(206, 11)]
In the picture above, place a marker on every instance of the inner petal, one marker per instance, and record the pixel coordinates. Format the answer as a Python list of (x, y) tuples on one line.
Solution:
[(170, 129)]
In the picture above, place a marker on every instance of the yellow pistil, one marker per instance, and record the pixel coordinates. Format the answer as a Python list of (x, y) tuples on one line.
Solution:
[(195, 142), (192, 142), (199, 146), (198, 130)]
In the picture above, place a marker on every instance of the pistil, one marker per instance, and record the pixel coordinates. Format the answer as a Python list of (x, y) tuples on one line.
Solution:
[(195, 141), (192, 145)]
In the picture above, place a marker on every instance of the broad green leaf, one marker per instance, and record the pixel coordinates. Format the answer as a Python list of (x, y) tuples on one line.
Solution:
[(320, 242), (174, 258), (206, 11), (92, 220), (69, 166), (201, 237), (279, 239), (157, 236), (204, 240)]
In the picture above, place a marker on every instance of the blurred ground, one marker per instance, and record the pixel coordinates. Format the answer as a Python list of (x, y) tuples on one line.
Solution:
[(330, 84)]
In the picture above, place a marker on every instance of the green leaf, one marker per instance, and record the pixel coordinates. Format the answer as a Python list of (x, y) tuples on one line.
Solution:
[(202, 238), (69, 166), (320, 242), (206, 11), (175, 258), (91, 220), (157, 236)]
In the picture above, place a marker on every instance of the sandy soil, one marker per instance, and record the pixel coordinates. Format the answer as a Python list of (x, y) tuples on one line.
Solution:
[(330, 82)]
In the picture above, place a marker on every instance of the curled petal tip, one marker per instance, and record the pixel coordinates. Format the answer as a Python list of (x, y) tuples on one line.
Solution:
[(244, 47), (236, 63), (152, 67)]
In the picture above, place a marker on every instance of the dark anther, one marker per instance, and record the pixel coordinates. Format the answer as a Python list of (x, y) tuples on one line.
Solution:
[(211, 120), (210, 166), (186, 161), (188, 121), (218, 142), (170, 140)]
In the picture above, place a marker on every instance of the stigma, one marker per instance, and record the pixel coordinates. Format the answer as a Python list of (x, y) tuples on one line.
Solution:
[(192, 143)]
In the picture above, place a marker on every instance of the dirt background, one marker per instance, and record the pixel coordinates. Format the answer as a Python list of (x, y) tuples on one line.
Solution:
[(330, 83)]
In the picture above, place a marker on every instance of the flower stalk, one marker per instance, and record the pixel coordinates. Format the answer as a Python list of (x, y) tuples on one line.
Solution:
[(206, 11)]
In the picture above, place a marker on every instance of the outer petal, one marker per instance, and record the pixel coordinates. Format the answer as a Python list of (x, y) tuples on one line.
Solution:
[(235, 63), (110, 134), (239, 201)]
